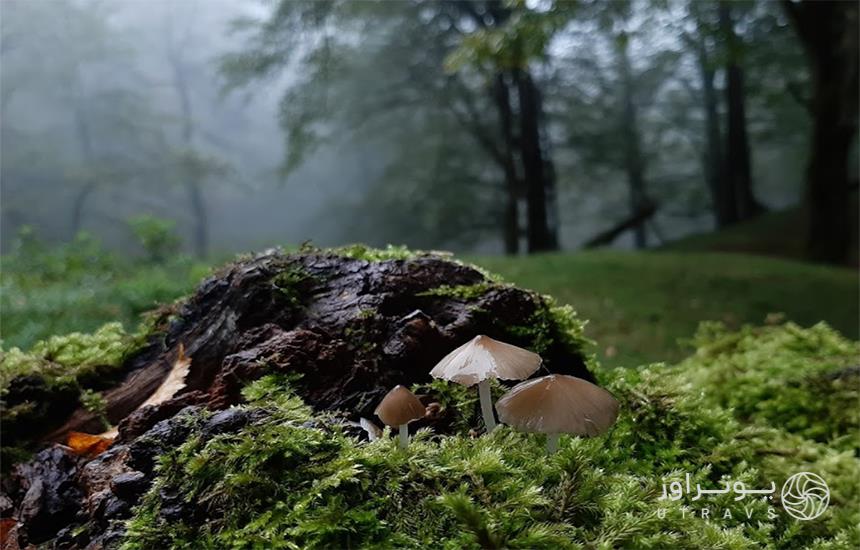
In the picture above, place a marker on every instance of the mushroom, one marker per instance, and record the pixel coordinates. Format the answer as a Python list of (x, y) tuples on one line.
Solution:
[(479, 360), (397, 409), (558, 404)]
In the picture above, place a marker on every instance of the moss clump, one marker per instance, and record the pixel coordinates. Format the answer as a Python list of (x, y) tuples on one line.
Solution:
[(461, 292), (552, 324), (72, 359), (286, 483), (290, 282), (801, 380), (367, 253)]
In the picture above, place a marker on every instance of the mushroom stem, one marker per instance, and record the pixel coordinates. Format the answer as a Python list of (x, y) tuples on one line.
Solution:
[(487, 405), (551, 443), (404, 436)]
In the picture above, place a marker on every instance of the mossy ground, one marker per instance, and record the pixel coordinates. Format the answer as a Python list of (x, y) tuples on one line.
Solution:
[(284, 483), (750, 404)]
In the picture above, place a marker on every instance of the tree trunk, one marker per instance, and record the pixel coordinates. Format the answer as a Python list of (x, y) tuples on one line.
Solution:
[(512, 188), (632, 148), (198, 209), (738, 168), (85, 141), (78, 206), (538, 181), (722, 195), (828, 31), (191, 175)]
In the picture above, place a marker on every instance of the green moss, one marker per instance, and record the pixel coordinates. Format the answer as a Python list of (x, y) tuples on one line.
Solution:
[(289, 283), (284, 483), (461, 292), (73, 359), (95, 403), (553, 324), (801, 380), (363, 252), (366, 313)]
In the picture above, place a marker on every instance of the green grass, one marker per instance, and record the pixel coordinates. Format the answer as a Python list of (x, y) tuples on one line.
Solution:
[(639, 305)]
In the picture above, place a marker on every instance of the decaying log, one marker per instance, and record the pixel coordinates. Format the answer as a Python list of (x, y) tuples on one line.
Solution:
[(351, 328)]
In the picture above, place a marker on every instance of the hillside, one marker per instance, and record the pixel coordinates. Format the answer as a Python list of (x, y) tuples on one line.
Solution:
[(639, 305)]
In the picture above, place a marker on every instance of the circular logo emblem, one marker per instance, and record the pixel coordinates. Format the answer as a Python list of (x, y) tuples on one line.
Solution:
[(805, 496)]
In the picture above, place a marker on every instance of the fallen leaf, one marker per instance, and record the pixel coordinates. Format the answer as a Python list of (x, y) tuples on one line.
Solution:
[(174, 382), (88, 444), (8, 526)]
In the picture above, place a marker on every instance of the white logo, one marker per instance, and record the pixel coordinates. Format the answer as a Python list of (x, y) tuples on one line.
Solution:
[(805, 496)]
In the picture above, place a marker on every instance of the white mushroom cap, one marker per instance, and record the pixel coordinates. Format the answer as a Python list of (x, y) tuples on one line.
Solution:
[(399, 406), (483, 358), (557, 404)]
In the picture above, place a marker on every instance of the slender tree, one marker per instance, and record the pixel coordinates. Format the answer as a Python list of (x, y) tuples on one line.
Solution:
[(701, 42), (828, 31), (738, 168), (634, 163), (190, 163)]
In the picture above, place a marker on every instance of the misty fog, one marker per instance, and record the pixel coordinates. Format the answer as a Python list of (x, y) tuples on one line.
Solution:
[(103, 100)]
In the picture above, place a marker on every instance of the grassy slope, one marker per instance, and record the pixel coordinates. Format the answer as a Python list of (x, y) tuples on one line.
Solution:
[(780, 234), (640, 304)]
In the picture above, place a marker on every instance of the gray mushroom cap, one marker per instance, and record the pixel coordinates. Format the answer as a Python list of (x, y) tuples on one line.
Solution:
[(483, 358), (558, 404)]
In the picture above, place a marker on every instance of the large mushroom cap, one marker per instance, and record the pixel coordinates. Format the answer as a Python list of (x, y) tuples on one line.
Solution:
[(399, 406), (557, 404), (482, 358)]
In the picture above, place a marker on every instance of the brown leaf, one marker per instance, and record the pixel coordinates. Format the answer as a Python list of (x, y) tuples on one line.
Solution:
[(9, 534), (88, 444)]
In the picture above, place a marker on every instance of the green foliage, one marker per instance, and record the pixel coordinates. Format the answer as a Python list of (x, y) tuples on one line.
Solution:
[(70, 359), (287, 482), (157, 237), (79, 286), (524, 36)]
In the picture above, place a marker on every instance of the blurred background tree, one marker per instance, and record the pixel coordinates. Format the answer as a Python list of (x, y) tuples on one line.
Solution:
[(490, 126), (142, 142)]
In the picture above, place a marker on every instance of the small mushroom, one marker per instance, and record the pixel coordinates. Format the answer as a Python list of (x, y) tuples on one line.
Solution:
[(558, 404), (398, 408), (481, 359)]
